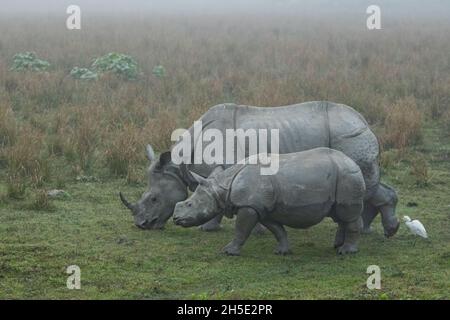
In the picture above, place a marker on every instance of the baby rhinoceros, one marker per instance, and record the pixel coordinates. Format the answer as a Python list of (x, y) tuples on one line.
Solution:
[(307, 187)]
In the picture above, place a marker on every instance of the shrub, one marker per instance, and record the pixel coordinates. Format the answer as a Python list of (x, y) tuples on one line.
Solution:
[(120, 64), (83, 74), (403, 124), (159, 71), (28, 61)]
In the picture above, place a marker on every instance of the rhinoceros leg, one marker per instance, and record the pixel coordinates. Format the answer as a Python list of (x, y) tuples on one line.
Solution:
[(212, 225), (259, 229), (340, 235), (245, 222), (280, 234), (369, 213), (348, 218)]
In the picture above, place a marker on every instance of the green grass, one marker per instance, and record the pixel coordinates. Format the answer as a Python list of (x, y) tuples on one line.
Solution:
[(92, 230)]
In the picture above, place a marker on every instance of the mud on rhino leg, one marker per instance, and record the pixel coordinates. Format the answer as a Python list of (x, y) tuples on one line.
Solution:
[(280, 234), (349, 218), (245, 222), (212, 225)]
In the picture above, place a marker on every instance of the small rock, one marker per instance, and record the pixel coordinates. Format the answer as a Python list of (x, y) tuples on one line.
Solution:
[(57, 193)]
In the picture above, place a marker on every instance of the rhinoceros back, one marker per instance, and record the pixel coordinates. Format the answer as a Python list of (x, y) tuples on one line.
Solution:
[(301, 127), (309, 182)]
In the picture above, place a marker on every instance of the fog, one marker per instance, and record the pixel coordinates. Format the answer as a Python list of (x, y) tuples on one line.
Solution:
[(410, 8)]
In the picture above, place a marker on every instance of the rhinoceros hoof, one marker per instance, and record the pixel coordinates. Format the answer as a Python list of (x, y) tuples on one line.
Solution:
[(232, 250), (283, 251), (347, 248), (391, 231)]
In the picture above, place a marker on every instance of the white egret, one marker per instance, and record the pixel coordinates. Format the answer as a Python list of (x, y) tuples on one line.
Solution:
[(416, 227)]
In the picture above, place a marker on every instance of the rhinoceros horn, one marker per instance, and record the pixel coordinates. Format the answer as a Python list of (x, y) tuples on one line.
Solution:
[(125, 202), (202, 181), (150, 153)]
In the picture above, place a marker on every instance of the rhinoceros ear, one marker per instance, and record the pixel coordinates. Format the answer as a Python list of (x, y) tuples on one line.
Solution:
[(150, 153), (201, 181), (165, 158)]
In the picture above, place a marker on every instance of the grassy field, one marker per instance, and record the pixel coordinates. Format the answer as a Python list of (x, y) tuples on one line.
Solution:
[(88, 138), (117, 260)]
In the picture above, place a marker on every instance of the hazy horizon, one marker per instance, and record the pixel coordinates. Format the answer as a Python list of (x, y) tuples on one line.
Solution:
[(409, 8)]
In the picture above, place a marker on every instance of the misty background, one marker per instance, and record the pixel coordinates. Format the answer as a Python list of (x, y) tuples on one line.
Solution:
[(404, 8)]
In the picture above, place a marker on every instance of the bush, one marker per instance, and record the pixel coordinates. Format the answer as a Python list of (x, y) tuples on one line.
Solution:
[(83, 74), (28, 61), (117, 63), (159, 71), (403, 124)]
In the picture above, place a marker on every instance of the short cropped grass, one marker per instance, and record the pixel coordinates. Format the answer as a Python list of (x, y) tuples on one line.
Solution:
[(91, 229)]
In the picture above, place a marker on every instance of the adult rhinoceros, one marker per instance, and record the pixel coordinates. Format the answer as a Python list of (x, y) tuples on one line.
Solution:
[(301, 127)]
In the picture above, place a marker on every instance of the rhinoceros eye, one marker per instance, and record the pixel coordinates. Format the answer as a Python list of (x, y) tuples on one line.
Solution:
[(189, 204), (153, 199)]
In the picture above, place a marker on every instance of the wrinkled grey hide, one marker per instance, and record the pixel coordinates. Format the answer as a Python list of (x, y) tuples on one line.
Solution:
[(302, 127), (308, 187)]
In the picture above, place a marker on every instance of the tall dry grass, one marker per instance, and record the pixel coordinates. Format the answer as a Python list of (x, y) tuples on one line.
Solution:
[(403, 124), (396, 78), (8, 126), (27, 164), (125, 152)]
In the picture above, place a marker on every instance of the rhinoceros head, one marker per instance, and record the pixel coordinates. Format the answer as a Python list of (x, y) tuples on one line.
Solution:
[(201, 207), (166, 188)]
